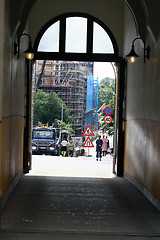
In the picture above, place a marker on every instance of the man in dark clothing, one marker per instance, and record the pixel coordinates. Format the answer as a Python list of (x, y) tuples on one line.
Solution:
[(99, 143)]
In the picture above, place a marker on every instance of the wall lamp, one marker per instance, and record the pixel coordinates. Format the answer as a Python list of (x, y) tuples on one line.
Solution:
[(29, 52), (133, 55)]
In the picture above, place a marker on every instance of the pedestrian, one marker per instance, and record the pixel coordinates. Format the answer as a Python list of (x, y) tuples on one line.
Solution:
[(108, 148), (71, 148), (64, 147), (104, 146), (99, 143)]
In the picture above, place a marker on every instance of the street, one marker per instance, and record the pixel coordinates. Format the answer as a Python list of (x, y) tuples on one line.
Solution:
[(81, 166)]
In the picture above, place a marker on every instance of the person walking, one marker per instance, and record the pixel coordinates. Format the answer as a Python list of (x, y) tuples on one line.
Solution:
[(99, 143), (108, 147), (104, 146)]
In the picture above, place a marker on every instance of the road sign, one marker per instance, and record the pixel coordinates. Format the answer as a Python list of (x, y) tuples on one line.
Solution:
[(88, 143), (108, 110), (103, 106), (88, 132), (77, 141), (108, 119)]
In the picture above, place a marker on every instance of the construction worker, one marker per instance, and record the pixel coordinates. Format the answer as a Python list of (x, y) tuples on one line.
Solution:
[(64, 147), (71, 148)]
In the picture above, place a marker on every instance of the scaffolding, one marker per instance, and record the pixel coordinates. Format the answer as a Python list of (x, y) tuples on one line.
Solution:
[(92, 102), (68, 79)]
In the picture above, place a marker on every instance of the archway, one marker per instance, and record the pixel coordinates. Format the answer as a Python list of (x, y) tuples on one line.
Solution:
[(62, 49)]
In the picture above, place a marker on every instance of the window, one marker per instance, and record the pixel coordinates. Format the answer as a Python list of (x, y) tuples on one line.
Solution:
[(50, 39), (101, 41), (70, 36), (76, 34)]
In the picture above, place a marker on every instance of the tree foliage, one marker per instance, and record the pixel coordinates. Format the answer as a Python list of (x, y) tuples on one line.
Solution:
[(67, 126), (106, 94), (48, 107), (106, 91)]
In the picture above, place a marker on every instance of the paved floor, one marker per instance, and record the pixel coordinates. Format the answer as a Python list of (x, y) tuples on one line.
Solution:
[(81, 208)]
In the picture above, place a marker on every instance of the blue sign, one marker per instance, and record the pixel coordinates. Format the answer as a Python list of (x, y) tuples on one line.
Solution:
[(108, 110)]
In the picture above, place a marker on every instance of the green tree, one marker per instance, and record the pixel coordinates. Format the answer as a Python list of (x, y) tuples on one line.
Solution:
[(67, 126), (48, 107), (106, 95), (106, 91)]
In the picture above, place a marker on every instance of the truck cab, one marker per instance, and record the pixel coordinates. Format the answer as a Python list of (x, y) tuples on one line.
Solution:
[(45, 140)]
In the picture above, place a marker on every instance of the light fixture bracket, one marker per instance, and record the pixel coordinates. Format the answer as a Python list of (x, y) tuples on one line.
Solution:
[(29, 49), (133, 54)]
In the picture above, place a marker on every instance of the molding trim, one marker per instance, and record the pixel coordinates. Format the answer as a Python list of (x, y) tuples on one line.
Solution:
[(143, 190), (12, 116), (12, 186), (133, 15), (141, 119)]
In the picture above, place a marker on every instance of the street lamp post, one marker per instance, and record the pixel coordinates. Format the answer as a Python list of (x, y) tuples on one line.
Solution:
[(62, 113)]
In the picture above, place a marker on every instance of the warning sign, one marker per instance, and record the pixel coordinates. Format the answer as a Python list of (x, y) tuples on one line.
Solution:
[(108, 119), (88, 132), (88, 143)]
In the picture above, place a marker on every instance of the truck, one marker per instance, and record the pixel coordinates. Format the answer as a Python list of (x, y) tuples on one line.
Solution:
[(46, 140), (65, 134)]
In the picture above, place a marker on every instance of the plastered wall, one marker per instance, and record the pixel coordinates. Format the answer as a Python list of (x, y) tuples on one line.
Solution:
[(12, 81), (0, 160), (142, 121), (110, 12), (1, 77)]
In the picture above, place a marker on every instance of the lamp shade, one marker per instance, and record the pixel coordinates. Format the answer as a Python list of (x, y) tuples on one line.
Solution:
[(29, 52), (132, 55)]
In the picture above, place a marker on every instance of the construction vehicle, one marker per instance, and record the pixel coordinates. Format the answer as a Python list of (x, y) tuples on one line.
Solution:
[(46, 140)]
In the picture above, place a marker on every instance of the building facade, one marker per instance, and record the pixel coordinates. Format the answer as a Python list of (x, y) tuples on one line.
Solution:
[(68, 79)]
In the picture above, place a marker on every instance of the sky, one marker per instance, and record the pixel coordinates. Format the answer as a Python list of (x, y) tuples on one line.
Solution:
[(103, 70)]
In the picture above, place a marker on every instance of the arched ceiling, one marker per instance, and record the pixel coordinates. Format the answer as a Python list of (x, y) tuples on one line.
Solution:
[(35, 13), (111, 13), (20, 10), (145, 16)]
